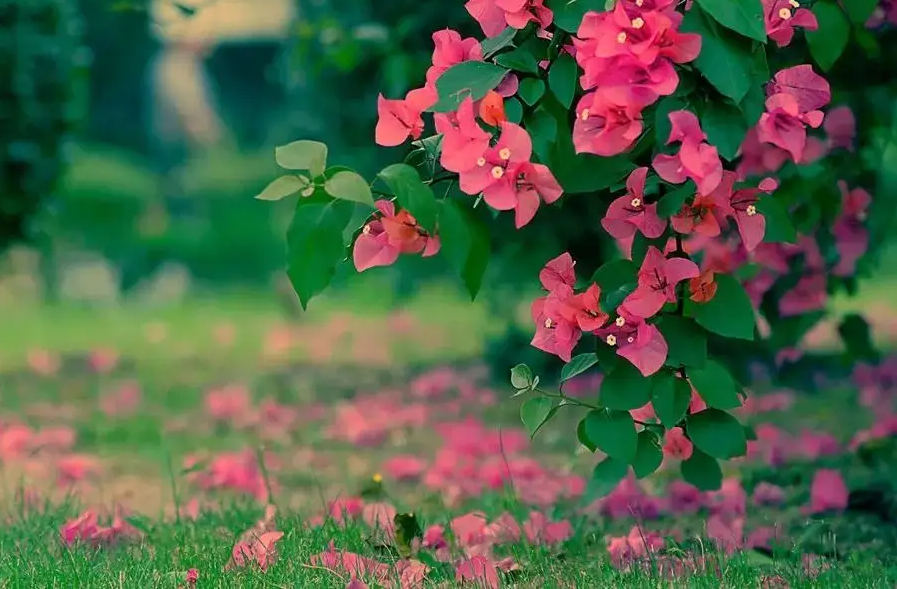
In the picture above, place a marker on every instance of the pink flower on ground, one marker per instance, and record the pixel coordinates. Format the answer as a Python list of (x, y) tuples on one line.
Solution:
[(630, 213), (123, 401), (696, 159), (726, 531), (388, 235), (192, 577), (478, 571), (782, 16), (351, 564), (229, 403), (404, 467), (346, 508), (785, 125), (356, 583), (540, 530), (494, 15), (828, 492), (400, 119), (463, 141), (82, 528), (508, 180), (676, 445), (637, 341), (851, 235), (379, 516), (657, 281), (639, 544), (102, 360)]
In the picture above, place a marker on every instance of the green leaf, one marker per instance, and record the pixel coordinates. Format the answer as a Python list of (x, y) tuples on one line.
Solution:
[(583, 437), (579, 173), (494, 44), (648, 455), (702, 471), (686, 340), (465, 243), (607, 356), (514, 110), (670, 397), (717, 434), (829, 41), (612, 432), (577, 365), (729, 313), (316, 247), (725, 127), (522, 377), (779, 228), (857, 338), (310, 156), (742, 16), (519, 60), (606, 475), (411, 193), (617, 279), (725, 60), (534, 413), (283, 187), (753, 105), (543, 128), (860, 10), (563, 79), (671, 202), (469, 78), (568, 13), (625, 388), (715, 385), (349, 186), (531, 90)]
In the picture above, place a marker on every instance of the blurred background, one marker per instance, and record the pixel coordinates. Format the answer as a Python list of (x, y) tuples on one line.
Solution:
[(141, 129)]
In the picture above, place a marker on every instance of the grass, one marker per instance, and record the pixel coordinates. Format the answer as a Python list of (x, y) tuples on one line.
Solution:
[(314, 369)]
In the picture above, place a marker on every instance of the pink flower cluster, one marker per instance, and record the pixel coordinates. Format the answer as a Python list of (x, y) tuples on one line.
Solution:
[(390, 234), (562, 316), (782, 16), (627, 57), (495, 15)]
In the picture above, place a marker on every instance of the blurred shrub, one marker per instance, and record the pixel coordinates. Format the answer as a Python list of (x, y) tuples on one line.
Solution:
[(110, 203), (41, 68)]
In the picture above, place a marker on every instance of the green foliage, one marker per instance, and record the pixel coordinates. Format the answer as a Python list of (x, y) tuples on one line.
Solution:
[(563, 79), (742, 16), (42, 68), (470, 78), (687, 341), (612, 432), (729, 313), (717, 434), (577, 365), (829, 41), (715, 385), (726, 61), (648, 454), (535, 412), (670, 398), (625, 388), (702, 471)]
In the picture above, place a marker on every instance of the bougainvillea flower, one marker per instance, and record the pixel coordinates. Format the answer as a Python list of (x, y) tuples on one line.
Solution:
[(463, 141), (698, 217), (696, 158), (808, 295), (494, 15), (492, 109), (585, 311), (743, 208), (851, 234), (677, 445), (508, 180), (400, 119), (451, 49), (540, 530), (637, 341), (840, 127), (556, 331), (609, 120), (636, 7), (559, 274), (784, 125), (811, 90), (388, 235), (828, 492), (702, 288), (768, 494), (782, 16), (657, 280), (630, 213)]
